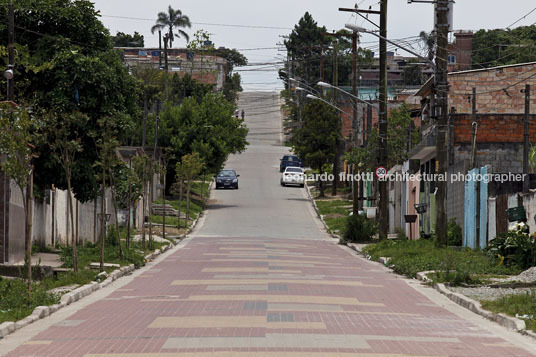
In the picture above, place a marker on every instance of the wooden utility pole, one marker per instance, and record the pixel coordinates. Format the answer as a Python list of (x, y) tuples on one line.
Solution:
[(441, 89), (382, 159), (526, 143), (11, 52), (358, 140)]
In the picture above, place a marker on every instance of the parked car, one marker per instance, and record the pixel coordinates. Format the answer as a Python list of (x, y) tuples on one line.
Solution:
[(290, 160), (227, 178), (293, 176)]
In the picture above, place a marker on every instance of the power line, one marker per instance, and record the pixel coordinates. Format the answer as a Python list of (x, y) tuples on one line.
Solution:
[(204, 23), (522, 18)]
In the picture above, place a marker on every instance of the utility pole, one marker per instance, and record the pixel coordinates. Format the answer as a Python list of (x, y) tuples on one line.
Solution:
[(526, 143), (474, 126), (11, 53), (356, 203), (382, 160), (441, 88)]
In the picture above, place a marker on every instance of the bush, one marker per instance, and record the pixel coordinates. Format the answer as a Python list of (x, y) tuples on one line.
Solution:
[(359, 229), (454, 234), (515, 248)]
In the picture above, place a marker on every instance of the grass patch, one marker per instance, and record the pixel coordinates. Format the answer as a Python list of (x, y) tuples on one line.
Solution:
[(331, 209), (523, 305), (14, 302), (455, 266)]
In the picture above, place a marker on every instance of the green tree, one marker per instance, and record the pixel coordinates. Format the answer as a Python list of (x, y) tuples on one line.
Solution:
[(127, 40), (16, 151), (189, 169), (67, 65), (412, 74), (316, 141), (61, 132), (208, 128), (503, 47), (305, 44), (173, 20), (402, 136)]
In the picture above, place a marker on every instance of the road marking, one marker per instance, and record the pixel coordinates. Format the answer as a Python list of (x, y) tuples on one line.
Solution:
[(272, 281), (230, 322), (247, 270), (329, 300)]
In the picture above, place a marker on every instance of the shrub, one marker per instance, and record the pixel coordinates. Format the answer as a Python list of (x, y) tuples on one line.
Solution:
[(359, 229), (454, 234), (517, 248)]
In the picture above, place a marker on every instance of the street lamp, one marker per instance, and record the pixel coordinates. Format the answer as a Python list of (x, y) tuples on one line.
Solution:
[(327, 85), (312, 96), (362, 29), (302, 83)]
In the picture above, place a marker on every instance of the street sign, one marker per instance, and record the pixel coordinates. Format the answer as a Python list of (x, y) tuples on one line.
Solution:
[(380, 172)]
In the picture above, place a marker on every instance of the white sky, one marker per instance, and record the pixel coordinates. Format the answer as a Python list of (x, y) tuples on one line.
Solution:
[(404, 20)]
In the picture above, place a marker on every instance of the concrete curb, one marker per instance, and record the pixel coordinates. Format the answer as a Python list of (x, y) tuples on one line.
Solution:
[(326, 227), (41, 312), (509, 322)]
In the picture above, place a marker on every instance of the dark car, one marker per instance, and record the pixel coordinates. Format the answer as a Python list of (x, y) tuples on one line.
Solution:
[(290, 160), (227, 179)]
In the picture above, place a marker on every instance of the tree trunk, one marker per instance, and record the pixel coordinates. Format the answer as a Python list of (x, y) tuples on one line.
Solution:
[(73, 233), (180, 203), (114, 202), (144, 203), (320, 186), (129, 204), (95, 220), (151, 212), (188, 187), (103, 221)]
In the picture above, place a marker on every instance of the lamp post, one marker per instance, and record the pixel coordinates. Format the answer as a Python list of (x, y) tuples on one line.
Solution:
[(312, 96)]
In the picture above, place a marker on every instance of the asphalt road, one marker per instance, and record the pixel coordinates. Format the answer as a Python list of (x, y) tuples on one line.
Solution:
[(260, 277), (261, 207)]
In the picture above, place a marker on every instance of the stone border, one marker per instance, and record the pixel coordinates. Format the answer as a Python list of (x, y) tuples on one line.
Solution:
[(41, 312), (333, 235), (509, 322)]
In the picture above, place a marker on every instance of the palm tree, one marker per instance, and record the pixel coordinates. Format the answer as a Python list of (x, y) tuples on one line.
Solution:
[(172, 20)]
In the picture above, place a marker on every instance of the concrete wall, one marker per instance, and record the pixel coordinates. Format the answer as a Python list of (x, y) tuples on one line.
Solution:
[(16, 225)]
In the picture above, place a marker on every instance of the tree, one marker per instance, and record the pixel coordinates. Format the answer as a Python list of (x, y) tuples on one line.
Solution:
[(62, 133), (305, 44), (173, 20), (188, 169), (207, 128), (428, 42), (15, 146), (316, 141), (402, 136), (412, 74), (143, 172), (503, 47), (70, 66), (127, 40)]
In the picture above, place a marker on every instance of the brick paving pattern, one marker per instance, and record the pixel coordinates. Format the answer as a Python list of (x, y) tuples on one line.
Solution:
[(265, 297)]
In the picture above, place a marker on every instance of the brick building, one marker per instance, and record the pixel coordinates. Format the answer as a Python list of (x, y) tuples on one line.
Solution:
[(500, 108), (205, 68), (460, 51)]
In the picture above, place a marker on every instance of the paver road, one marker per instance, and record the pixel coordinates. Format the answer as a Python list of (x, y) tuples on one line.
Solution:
[(261, 278)]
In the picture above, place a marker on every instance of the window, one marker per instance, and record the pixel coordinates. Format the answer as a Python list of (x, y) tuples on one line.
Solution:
[(452, 59)]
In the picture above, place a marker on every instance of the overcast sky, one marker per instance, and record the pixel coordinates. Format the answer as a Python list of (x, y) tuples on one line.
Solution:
[(404, 20)]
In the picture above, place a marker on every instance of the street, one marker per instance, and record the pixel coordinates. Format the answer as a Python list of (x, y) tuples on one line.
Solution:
[(260, 277)]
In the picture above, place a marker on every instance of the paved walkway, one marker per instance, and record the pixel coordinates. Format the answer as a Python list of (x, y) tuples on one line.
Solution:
[(265, 297), (260, 278)]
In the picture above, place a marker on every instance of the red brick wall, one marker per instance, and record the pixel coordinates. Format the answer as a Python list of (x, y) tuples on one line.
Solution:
[(493, 128), (498, 90)]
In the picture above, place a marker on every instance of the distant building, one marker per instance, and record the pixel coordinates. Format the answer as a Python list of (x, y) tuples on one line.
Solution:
[(460, 51), (207, 69)]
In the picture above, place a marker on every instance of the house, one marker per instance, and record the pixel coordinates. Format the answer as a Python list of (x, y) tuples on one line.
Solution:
[(499, 120), (205, 68)]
